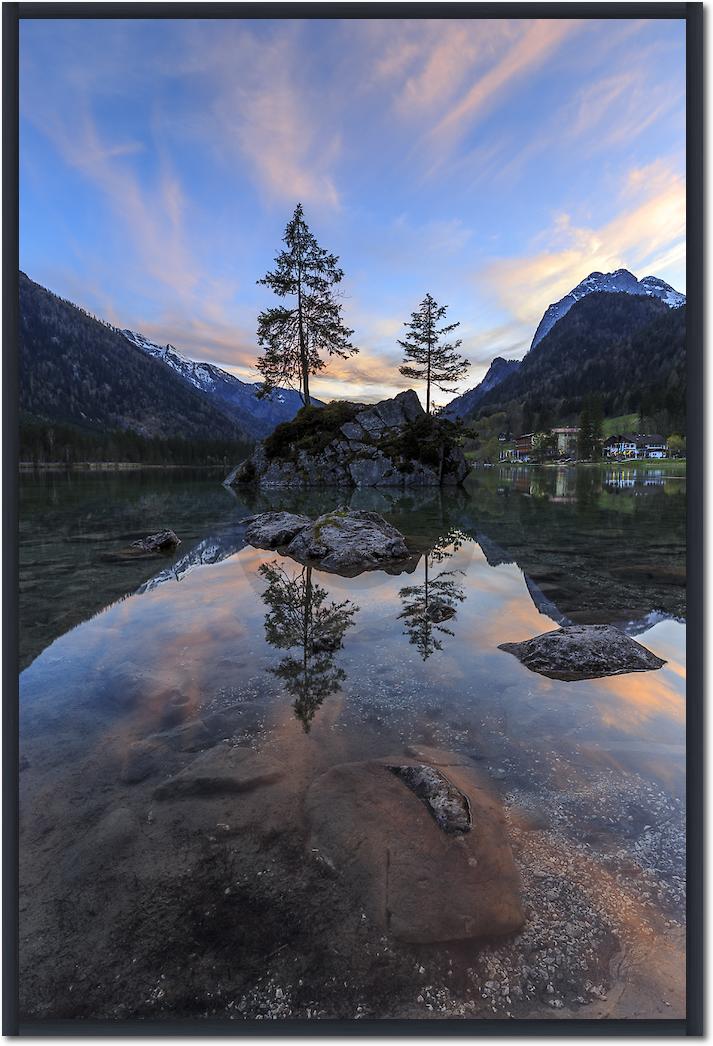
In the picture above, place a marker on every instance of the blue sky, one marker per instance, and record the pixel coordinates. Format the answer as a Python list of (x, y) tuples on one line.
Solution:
[(492, 163)]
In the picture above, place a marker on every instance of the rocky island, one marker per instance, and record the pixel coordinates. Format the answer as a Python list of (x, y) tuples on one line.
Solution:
[(394, 443)]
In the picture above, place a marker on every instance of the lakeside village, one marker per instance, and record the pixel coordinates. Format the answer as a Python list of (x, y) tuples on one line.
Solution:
[(561, 445)]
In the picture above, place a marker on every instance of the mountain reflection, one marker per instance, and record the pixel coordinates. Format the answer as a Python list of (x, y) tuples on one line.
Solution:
[(426, 607), (299, 617)]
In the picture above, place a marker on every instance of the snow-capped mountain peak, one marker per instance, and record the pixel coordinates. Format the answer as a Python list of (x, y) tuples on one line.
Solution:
[(621, 280), (236, 398), (198, 374)]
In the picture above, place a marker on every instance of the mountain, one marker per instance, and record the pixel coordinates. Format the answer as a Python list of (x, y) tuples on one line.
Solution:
[(76, 370), (233, 397), (620, 281), (626, 349), (498, 370)]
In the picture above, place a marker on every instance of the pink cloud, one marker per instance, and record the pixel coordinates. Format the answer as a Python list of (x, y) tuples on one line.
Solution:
[(647, 234)]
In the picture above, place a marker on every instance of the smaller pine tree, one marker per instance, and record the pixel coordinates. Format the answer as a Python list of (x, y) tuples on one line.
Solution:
[(428, 358)]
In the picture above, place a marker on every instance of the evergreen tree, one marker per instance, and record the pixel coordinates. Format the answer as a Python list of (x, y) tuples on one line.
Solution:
[(597, 435), (427, 358), (584, 436), (292, 338)]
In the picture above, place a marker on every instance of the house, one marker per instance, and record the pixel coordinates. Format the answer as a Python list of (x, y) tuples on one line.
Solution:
[(523, 446), (566, 438), (520, 450), (655, 446), (639, 446)]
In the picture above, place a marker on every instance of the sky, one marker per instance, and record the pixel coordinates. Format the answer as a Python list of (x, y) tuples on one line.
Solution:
[(491, 163)]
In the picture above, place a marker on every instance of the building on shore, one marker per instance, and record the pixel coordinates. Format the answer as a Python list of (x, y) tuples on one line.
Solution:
[(635, 446), (566, 441), (519, 450)]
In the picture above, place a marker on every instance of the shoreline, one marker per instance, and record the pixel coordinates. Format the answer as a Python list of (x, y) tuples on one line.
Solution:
[(104, 466), (664, 463)]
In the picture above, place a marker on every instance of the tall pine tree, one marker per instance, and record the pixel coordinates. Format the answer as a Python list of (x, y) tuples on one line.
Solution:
[(294, 337), (427, 357)]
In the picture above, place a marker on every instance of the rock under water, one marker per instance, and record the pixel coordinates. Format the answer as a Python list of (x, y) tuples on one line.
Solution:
[(422, 883), (583, 652)]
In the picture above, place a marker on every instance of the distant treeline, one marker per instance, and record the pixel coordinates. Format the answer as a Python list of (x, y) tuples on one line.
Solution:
[(43, 442)]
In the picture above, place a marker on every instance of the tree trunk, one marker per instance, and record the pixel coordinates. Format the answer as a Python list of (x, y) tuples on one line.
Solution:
[(428, 365), (303, 344)]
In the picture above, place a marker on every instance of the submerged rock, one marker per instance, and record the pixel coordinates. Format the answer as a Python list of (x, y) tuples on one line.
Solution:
[(219, 771), (424, 851), (141, 761), (446, 802), (342, 541), (438, 610), (583, 652)]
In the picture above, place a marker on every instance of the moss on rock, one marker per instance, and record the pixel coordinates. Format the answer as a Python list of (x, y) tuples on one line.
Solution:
[(312, 430)]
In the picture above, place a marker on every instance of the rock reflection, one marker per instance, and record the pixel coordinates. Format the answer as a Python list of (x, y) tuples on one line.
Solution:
[(299, 617), (426, 607)]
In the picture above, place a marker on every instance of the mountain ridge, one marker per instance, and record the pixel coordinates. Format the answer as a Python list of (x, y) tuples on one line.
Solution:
[(68, 374), (625, 349), (234, 396), (620, 280), (465, 404)]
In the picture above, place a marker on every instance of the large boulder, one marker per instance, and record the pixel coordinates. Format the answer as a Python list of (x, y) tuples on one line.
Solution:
[(421, 847), (390, 444), (342, 541), (273, 529), (583, 652)]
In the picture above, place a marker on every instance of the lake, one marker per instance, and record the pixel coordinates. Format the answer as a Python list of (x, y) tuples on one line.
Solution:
[(140, 902)]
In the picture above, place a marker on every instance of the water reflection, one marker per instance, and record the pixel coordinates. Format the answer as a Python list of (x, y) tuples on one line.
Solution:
[(198, 666), (300, 617), (426, 607)]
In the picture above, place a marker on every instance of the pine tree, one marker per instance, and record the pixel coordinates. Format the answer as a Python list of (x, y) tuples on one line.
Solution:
[(426, 357), (292, 338), (584, 436), (597, 433)]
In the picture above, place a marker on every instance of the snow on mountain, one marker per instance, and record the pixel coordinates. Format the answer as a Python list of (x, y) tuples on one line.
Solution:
[(620, 280), (234, 397), (498, 370)]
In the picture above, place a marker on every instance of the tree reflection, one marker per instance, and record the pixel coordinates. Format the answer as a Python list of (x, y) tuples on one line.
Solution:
[(300, 616), (426, 607)]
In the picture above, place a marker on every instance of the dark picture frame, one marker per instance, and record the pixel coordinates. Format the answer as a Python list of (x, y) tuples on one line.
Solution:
[(692, 13)]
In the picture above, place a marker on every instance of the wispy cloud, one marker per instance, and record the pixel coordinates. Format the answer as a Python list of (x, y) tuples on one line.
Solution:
[(526, 53), (258, 107), (149, 212), (649, 228)]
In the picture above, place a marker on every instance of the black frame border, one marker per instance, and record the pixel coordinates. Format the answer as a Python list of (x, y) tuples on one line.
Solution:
[(692, 13)]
